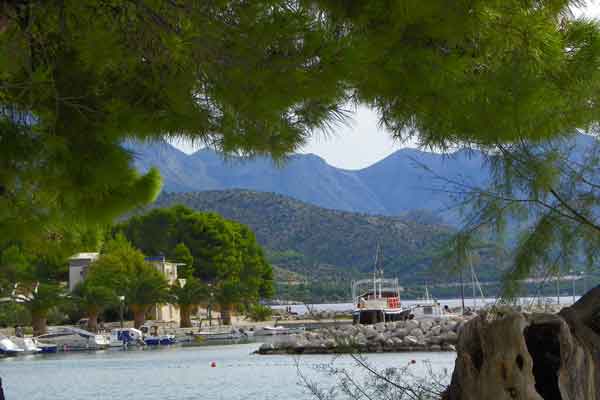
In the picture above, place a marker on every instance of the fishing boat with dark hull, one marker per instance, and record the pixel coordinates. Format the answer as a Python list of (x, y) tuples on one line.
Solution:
[(378, 299)]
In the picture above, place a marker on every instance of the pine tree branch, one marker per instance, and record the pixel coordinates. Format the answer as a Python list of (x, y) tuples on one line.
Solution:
[(578, 216)]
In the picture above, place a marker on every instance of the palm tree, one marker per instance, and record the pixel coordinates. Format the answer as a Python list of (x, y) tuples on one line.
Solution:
[(229, 294), (93, 298), (122, 268), (145, 288), (39, 298), (187, 296)]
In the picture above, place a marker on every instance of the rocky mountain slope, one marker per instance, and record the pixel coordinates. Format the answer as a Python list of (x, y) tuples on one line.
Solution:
[(315, 241)]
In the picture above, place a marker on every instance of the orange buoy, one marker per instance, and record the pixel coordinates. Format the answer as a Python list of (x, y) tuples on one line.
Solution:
[(213, 364)]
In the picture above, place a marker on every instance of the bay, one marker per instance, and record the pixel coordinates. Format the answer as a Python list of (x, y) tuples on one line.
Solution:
[(182, 373)]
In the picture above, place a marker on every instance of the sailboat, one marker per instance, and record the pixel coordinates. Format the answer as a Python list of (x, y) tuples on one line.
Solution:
[(428, 307)]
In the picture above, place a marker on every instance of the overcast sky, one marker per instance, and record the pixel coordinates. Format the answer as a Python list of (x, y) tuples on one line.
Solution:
[(363, 143)]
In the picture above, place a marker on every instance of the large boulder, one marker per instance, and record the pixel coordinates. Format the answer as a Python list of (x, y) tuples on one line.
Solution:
[(411, 340), (417, 332), (379, 327), (433, 340), (410, 325), (371, 333), (400, 333), (426, 325)]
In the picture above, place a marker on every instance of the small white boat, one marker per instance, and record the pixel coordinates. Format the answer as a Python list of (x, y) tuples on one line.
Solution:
[(126, 337), (45, 347), (67, 339), (8, 347), (278, 330), (232, 334), (428, 308), (27, 344)]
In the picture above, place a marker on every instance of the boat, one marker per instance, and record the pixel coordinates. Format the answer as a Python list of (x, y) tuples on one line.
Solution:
[(126, 337), (152, 336), (231, 334), (68, 338), (27, 344), (160, 340), (8, 347), (45, 347), (378, 299), (278, 330), (428, 308)]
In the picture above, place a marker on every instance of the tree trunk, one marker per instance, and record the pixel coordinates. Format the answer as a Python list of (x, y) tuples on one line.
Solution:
[(185, 312), (39, 322), (139, 315), (92, 324), (513, 355), (226, 314)]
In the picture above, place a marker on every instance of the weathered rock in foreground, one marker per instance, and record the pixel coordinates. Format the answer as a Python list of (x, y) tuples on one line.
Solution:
[(507, 355), (428, 335)]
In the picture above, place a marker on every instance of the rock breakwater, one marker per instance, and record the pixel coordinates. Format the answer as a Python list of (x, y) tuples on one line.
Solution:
[(412, 335)]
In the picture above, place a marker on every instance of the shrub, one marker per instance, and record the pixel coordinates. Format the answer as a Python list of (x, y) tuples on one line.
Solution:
[(259, 312)]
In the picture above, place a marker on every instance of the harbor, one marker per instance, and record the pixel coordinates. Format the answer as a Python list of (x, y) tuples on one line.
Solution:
[(181, 373)]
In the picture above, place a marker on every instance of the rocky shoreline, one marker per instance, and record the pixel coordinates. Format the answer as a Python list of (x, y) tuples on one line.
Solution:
[(438, 334)]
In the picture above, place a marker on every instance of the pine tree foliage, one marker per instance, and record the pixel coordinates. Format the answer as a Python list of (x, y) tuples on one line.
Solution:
[(77, 78), (223, 252), (550, 195), (471, 71), (122, 269)]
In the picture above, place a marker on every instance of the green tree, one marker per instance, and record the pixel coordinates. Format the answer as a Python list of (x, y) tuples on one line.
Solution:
[(39, 299), (149, 70), (437, 71), (123, 269), (187, 298), (223, 252), (181, 254), (259, 77), (35, 281), (93, 298)]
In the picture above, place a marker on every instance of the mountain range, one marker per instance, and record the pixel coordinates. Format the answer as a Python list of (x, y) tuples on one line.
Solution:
[(402, 183), (405, 183)]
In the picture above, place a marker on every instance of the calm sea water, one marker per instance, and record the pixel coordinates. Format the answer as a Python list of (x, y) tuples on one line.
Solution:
[(181, 373)]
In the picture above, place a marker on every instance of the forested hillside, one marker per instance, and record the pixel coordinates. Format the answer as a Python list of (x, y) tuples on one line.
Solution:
[(319, 243)]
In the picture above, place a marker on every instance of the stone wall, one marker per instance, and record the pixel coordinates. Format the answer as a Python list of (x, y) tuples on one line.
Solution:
[(424, 335)]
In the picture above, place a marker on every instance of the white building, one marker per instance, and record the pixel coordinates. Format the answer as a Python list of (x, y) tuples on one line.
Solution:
[(78, 266), (165, 312)]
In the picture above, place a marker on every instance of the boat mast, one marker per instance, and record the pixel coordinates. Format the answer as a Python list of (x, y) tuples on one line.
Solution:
[(473, 283), (375, 272), (476, 285), (462, 290)]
